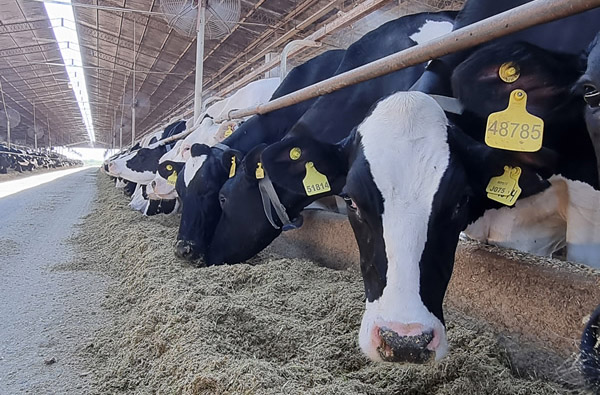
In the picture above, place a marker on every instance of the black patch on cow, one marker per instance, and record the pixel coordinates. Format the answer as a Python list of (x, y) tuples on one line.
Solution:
[(146, 159)]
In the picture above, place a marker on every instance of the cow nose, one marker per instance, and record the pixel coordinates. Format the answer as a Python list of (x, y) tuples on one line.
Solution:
[(413, 348), (185, 249)]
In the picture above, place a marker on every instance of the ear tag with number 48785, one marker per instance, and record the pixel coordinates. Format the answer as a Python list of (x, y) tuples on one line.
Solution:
[(504, 188), (514, 129), (315, 182)]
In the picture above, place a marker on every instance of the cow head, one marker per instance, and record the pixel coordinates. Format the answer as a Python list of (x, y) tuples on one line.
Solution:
[(198, 185), (139, 166), (245, 228), (164, 183)]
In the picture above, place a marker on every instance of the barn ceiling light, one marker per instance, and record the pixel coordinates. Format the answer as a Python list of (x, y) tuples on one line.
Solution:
[(62, 19)]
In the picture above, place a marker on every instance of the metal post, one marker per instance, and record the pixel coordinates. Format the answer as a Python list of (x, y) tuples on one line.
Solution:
[(113, 131), (133, 80), (201, 22), (35, 131), (48, 127), (7, 118), (122, 112), (289, 47)]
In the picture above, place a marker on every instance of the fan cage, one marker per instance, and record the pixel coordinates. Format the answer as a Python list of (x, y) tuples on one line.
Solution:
[(221, 16)]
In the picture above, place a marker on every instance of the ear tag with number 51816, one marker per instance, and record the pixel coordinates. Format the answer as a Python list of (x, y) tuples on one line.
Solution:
[(504, 188), (314, 182), (514, 129)]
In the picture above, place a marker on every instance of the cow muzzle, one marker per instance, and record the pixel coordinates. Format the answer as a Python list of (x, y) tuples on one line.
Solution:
[(186, 249), (412, 349), (405, 343)]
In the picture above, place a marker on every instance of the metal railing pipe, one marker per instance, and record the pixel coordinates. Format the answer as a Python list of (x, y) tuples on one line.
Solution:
[(522, 17), (508, 22)]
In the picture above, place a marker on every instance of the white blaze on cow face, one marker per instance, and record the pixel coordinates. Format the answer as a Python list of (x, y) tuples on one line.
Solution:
[(431, 30), (138, 201), (192, 166), (404, 141)]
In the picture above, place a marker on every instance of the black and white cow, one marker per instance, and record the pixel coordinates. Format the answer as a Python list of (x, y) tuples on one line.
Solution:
[(203, 175), (332, 116), (462, 175), (140, 166)]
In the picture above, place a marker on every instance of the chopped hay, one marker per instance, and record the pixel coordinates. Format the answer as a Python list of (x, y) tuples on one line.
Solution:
[(274, 326)]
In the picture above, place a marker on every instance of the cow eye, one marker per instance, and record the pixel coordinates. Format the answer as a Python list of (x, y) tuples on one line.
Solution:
[(461, 205), (591, 95), (222, 200), (350, 203)]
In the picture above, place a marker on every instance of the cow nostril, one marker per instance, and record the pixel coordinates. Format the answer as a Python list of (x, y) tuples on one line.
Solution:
[(185, 249), (153, 184), (396, 348)]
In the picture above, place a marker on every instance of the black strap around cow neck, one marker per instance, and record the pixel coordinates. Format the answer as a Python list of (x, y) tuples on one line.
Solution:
[(270, 200)]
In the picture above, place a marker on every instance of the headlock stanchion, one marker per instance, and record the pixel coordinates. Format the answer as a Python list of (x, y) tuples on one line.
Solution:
[(522, 17)]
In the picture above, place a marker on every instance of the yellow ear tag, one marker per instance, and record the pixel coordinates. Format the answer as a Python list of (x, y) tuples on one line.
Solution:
[(504, 188), (509, 72), (514, 129), (295, 153), (229, 131), (233, 167), (259, 172), (169, 167), (315, 182), (172, 178)]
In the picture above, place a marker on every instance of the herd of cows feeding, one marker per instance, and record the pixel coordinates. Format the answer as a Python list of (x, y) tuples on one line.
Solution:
[(13, 159), (413, 171)]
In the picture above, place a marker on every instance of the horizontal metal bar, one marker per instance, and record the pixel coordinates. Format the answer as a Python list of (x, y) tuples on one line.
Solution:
[(511, 21)]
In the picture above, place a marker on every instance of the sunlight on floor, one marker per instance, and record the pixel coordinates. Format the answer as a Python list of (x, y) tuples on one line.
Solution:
[(11, 187)]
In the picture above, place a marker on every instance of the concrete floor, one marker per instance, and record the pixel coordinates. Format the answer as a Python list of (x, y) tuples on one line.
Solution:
[(46, 314)]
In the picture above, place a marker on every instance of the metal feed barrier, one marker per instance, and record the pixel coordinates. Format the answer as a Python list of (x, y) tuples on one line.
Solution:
[(522, 17)]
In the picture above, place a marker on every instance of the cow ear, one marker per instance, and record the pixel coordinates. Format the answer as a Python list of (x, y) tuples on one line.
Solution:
[(200, 149), (290, 161), (251, 161), (227, 158), (482, 163)]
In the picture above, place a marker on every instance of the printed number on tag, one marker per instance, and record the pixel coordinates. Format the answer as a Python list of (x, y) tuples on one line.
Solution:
[(514, 129), (504, 188), (315, 182)]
